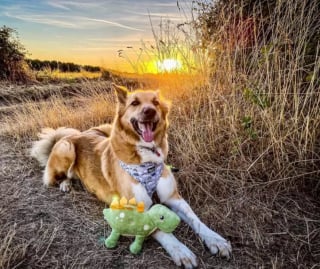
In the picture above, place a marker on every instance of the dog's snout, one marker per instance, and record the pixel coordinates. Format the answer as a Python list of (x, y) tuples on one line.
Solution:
[(149, 112)]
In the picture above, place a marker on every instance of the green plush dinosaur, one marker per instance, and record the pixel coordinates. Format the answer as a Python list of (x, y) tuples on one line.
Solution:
[(129, 219)]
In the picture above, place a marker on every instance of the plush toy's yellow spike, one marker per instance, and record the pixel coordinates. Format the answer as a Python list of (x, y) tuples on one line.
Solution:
[(123, 202), (132, 201), (140, 207), (114, 204)]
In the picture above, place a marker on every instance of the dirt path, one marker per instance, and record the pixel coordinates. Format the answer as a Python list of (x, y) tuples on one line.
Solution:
[(45, 228)]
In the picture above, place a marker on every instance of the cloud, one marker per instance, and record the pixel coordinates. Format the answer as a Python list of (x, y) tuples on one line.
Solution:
[(114, 24), (166, 4), (43, 19), (85, 14), (169, 15), (58, 5), (69, 5), (68, 21), (126, 39)]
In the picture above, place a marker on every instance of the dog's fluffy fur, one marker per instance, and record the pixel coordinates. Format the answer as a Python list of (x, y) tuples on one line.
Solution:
[(137, 135)]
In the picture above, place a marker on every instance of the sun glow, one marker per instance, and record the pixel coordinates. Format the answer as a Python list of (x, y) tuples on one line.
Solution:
[(168, 65)]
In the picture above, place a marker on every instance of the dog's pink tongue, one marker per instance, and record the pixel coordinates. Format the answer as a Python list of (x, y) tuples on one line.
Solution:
[(147, 133)]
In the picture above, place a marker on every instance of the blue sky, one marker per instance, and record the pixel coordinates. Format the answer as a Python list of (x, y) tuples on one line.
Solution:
[(84, 31)]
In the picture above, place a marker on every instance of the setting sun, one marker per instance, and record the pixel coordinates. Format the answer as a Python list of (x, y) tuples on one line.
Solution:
[(168, 65)]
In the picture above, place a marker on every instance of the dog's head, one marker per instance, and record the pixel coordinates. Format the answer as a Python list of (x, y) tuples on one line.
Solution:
[(142, 113)]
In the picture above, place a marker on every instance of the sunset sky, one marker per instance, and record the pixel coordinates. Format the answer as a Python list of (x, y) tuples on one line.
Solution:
[(86, 31)]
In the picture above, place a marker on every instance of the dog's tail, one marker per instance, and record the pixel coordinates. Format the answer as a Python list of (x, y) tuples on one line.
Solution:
[(41, 149)]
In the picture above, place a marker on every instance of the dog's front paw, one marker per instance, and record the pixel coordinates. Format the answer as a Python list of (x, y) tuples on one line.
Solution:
[(65, 186), (182, 255), (217, 244)]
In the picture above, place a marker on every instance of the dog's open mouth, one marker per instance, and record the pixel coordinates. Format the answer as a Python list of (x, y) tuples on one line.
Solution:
[(145, 129)]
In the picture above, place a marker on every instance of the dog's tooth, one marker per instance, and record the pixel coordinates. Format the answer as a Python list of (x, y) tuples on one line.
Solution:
[(142, 126)]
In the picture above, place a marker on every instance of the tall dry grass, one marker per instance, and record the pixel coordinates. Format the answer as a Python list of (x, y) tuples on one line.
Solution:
[(260, 114), (250, 140)]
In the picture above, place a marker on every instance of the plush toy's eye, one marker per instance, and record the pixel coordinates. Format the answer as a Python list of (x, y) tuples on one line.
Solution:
[(161, 217)]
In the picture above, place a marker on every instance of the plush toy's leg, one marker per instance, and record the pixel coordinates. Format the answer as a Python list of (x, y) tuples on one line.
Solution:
[(136, 246), (112, 239)]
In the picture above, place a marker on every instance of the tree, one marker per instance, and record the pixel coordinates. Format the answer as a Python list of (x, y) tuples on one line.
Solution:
[(12, 56)]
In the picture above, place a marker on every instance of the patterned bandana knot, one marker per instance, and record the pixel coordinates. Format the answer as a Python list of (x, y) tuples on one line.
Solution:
[(148, 174)]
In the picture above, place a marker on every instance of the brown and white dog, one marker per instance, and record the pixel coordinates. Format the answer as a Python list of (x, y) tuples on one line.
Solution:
[(102, 157)]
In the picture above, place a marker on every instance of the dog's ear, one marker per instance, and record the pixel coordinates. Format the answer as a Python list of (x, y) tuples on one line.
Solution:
[(165, 104), (121, 92)]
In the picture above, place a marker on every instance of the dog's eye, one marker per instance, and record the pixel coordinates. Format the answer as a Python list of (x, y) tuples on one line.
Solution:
[(155, 102), (161, 217), (135, 103)]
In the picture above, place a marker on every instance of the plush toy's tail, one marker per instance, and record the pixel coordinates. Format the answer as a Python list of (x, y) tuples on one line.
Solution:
[(41, 149)]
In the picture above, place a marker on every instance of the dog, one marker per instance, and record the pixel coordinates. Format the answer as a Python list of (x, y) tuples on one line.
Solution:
[(126, 158)]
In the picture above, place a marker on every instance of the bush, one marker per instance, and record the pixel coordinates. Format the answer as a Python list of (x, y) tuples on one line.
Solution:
[(12, 57)]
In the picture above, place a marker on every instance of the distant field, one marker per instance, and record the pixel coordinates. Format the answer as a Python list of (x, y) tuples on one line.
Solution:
[(55, 75)]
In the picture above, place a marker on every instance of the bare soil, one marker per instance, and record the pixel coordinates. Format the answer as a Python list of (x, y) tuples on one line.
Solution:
[(45, 228)]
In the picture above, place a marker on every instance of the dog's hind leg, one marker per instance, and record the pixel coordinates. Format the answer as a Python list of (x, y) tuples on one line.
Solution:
[(60, 164)]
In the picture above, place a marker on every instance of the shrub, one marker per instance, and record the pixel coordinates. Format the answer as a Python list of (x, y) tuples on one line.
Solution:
[(12, 55)]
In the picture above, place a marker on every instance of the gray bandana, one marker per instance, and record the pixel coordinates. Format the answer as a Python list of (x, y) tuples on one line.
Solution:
[(148, 174)]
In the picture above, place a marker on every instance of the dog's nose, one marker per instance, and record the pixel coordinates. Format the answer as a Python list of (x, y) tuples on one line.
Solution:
[(149, 112)]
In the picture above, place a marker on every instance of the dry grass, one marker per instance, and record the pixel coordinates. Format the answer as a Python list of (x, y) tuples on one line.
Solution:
[(246, 140), (10, 252), (77, 105)]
